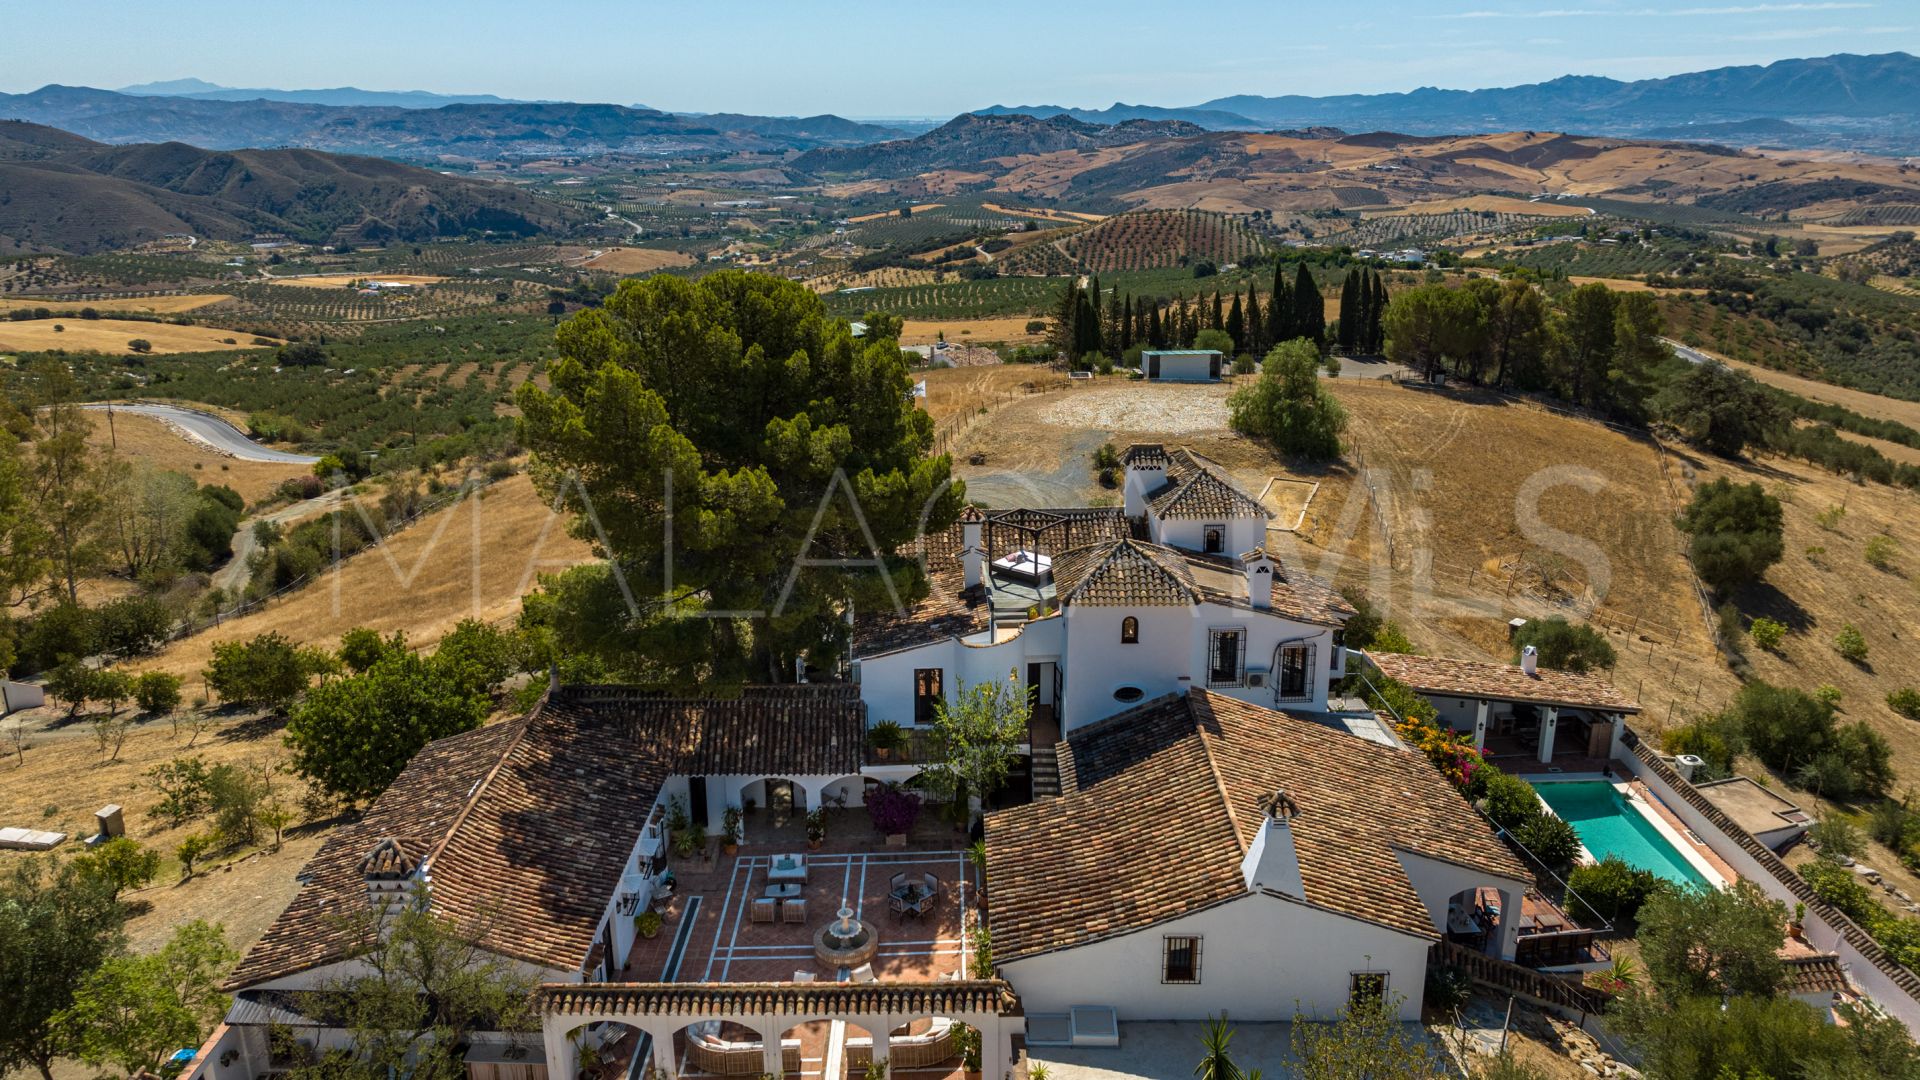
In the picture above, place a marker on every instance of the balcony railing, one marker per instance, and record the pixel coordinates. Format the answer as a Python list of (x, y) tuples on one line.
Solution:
[(919, 749)]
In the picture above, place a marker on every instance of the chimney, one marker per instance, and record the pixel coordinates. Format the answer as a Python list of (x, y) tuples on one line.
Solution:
[(388, 872), (1530, 660), (1259, 570), (973, 552), (1143, 470), (1272, 862)]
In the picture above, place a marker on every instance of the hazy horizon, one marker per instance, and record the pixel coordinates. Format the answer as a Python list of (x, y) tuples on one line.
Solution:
[(871, 60)]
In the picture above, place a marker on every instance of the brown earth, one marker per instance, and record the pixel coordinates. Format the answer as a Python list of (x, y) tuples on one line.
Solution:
[(112, 335), (638, 260), (928, 331), (147, 438), (159, 305)]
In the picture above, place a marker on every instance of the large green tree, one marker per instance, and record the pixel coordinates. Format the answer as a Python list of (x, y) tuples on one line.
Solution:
[(353, 735), (1736, 532), (1719, 408), (978, 739), (738, 456), (23, 541), (1288, 405), (56, 926), (65, 479), (134, 1011), (1714, 942)]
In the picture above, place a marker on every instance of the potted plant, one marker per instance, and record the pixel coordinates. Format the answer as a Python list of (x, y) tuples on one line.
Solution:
[(589, 1062), (647, 924), (1798, 928), (730, 830), (877, 1069), (677, 819), (885, 737), (816, 827)]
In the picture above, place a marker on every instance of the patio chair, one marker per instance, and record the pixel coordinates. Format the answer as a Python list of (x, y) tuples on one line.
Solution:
[(896, 881), (898, 906), (864, 974), (766, 910), (793, 911)]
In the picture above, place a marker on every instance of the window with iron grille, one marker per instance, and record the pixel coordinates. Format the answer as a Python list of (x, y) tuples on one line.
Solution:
[(1180, 960), (1214, 539), (1129, 631), (1366, 989), (1226, 657), (1296, 674), (928, 692)]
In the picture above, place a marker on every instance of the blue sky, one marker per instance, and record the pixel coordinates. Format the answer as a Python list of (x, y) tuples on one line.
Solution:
[(926, 58)]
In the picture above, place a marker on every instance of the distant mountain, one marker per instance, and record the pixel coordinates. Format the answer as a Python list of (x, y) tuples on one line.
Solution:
[(1211, 119), (343, 95), (59, 192), (1731, 130), (972, 138), (1867, 101), (463, 131)]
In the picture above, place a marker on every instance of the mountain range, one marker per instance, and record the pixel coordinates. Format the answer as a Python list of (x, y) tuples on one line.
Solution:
[(340, 95), (1869, 102), (62, 192), (466, 131), (973, 138)]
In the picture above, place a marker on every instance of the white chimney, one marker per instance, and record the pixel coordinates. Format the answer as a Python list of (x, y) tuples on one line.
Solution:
[(1144, 469), (1271, 862), (1529, 660), (1259, 570), (973, 552)]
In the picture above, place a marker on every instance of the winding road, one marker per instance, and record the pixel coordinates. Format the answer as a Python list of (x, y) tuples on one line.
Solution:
[(212, 431)]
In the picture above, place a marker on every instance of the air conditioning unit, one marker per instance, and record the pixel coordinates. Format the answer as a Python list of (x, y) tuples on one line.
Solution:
[(1256, 678)]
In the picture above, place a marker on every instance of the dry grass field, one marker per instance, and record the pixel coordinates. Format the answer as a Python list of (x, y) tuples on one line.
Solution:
[(147, 438), (1069, 217), (919, 208), (158, 305), (957, 390), (112, 335), (927, 331), (1860, 401), (1505, 204), (322, 281), (637, 260), (471, 560)]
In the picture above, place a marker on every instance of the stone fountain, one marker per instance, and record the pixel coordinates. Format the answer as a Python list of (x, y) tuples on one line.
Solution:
[(847, 941)]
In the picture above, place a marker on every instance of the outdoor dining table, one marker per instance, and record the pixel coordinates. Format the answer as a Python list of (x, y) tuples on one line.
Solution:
[(787, 891), (913, 898)]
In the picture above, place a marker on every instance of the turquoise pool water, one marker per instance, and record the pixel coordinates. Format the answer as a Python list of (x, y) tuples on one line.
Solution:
[(1608, 826)]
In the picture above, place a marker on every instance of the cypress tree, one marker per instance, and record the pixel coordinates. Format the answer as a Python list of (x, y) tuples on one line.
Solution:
[(1353, 308), (1154, 338), (1280, 309), (1309, 311), (1065, 337), (1126, 325), (1376, 316), (1093, 296), (1256, 328), (1219, 318), (1236, 326)]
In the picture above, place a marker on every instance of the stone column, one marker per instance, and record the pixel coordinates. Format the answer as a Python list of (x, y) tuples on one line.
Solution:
[(770, 1052), (660, 1039), (1507, 936), (1480, 725), (1549, 720)]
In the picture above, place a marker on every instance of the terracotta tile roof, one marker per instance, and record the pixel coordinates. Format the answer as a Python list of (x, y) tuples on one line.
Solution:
[(780, 999), (1815, 975), (1199, 488), (1295, 594), (1502, 682), (1124, 573), (1144, 454), (1051, 530), (1161, 801), (527, 824)]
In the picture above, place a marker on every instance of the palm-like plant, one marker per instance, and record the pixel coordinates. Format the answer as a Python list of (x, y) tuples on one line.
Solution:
[(1217, 1064)]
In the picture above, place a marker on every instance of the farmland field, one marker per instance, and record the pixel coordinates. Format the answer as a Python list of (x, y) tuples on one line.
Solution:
[(112, 335), (626, 260), (926, 331), (322, 281), (158, 305)]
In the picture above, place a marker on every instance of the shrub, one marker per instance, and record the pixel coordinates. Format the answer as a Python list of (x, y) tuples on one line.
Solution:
[(893, 809), (1391, 639), (1851, 643), (1768, 633), (1288, 406), (156, 692), (267, 672), (1365, 621), (1563, 646), (1448, 987), (1551, 839), (1244, 365), (140, 345), (1736, 533), (1510, 800), (119, 864), (132, 625), (1906, 702), (1829, 519), (1706, 738), (1610, 890), (1880, 552), (1837, 838)]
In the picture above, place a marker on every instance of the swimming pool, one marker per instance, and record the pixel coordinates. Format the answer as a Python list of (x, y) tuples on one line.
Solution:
[(1608, 826)]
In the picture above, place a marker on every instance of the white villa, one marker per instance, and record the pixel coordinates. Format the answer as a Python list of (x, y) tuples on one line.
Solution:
[(1200, 829)]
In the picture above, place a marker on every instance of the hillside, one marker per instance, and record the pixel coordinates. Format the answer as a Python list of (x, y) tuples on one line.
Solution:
[(1145, 240), (469, 131), (62, 193), (1238, 172), (974, 140)]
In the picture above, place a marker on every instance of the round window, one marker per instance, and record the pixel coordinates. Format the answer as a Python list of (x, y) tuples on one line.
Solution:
[(1129, 694)]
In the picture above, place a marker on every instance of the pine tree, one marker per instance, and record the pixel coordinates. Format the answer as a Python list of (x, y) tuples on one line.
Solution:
[(1256, 327), (1352, 310), (1280, 309), (1309, 311), (1236, 326)]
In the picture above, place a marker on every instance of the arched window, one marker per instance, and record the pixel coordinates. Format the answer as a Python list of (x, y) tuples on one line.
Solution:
[(1129, 631)]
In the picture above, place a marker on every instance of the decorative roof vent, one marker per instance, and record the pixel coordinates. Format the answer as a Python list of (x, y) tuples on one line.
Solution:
[(1258, 567), (389, 871), (1271, 862), (1530, 660)]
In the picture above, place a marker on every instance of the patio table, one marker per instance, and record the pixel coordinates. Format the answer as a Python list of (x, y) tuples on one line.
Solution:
[(787, 891), (787, 868)]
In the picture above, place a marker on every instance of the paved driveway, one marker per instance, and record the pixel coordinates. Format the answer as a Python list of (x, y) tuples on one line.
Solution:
[(213, 431)]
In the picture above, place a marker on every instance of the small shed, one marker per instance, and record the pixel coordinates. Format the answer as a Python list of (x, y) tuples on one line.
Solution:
[(1181, 365)]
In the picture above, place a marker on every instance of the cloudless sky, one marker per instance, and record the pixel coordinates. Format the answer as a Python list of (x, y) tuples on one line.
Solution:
[(916, 57)]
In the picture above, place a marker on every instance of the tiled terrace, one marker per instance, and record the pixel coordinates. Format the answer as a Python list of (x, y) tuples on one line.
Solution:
[(852, 868)]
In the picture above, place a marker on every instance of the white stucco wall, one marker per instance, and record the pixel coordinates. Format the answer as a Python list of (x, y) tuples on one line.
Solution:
[(1262, 958), (1242, 534), (1096, 663)]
